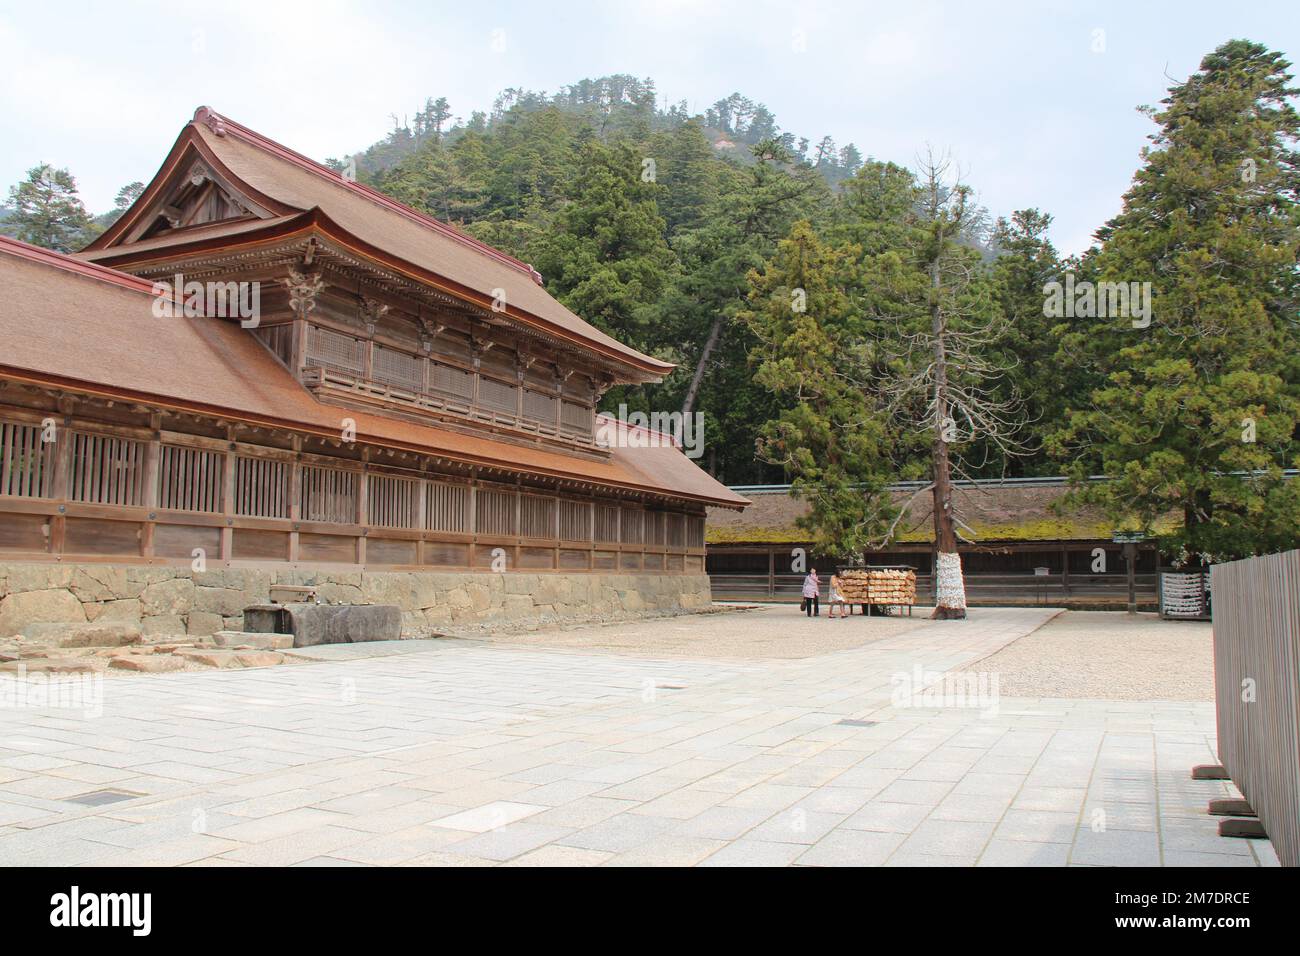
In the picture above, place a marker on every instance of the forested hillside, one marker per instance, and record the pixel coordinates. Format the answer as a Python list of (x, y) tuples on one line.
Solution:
[(644, 220)]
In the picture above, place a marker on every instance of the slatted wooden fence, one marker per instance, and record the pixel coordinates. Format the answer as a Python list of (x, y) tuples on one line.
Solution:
[(1256, 613)]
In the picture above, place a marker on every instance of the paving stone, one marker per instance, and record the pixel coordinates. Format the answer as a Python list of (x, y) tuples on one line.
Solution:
[(151, 664), (488, 817), (852, 848), (1023, 853)]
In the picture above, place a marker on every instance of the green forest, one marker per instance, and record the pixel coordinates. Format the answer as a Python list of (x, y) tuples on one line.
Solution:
[(805, 289)]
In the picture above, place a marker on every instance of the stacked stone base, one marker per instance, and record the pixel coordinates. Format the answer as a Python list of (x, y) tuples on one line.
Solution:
[(176, 600)]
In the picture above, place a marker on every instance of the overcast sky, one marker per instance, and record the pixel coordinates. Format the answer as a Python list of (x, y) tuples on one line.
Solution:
[(1035, 100)]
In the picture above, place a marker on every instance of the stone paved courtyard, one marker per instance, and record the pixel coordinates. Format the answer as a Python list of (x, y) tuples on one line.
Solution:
[(462, 753)]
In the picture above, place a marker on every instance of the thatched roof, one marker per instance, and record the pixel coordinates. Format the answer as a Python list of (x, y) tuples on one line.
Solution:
[(1009, 511)]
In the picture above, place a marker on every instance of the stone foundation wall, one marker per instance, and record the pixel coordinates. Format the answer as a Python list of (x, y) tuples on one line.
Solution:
[(176, 600)]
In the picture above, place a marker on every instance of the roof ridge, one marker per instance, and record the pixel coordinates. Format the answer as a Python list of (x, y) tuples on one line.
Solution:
[(222, 125), (67, 263)]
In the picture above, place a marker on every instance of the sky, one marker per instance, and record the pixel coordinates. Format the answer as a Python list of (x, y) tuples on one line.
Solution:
[(1035, 102)]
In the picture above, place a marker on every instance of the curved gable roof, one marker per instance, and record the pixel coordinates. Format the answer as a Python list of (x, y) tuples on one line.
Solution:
[(287, 182)]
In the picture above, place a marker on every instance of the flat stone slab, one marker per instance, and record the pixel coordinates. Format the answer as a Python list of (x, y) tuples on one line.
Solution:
[(226, 658), (148, 664), (252, 641), (312, 624)]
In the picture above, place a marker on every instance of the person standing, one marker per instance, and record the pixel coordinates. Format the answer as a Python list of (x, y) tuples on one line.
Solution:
[(811, 600), (836, 599)]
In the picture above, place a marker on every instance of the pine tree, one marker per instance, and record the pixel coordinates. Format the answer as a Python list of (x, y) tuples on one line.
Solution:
[(47, 210), (1197, 413)]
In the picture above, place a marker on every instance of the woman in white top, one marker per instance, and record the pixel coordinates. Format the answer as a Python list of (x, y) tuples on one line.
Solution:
[(837, 599)]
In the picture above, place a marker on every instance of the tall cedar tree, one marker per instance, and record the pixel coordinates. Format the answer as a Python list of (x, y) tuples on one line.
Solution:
[(1197, 413), (830, 437)]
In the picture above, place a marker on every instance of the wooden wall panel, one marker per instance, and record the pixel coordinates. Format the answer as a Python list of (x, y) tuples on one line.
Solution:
[(390, 551), (446, 555), (91, 536), (574, 560), (179, 541), (251, 545), (23, 533), (536, 558), (331, 548)]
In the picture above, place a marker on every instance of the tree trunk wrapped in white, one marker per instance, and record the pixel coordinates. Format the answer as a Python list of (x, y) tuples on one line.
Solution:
[(949, 588)]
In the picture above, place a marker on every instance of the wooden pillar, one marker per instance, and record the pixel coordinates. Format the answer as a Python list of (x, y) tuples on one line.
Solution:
[(363, 507), (771, 572), (228, 499), (61, 482), (421, 516), (295, 497), (152, 453), (1065, 570)]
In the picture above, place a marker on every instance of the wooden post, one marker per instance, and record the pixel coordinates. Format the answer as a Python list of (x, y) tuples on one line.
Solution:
[(295, 497), (152, 452), (771, 572), (228, 499), (1130, 557), (421, 516)]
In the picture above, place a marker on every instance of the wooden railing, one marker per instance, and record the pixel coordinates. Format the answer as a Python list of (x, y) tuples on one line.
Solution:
[(569, 425), (1256, 613), (101, 492)]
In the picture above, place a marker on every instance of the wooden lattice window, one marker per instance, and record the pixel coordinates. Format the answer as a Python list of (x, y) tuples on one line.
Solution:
[(107, 470), (631, 527), (494, 511), (262, 487), (328, 494), (695, 531), (575, 520), (654, 527), (26, 462), (540, 407), (676, 531), (190, 479), (398, 368), (607, 524), (576, 418), (391, 501), (537, 517), (329, 349), (451, 381), (446, 507), (497, 396)]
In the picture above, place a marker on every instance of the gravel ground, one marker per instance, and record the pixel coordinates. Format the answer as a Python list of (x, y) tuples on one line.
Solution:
[(1108, 655), (731, 632)]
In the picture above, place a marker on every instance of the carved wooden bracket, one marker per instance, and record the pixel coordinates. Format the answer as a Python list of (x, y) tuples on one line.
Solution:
[(303, 288), (372, 310)]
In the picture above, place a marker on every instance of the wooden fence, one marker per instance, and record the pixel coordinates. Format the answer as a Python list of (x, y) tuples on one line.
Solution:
[(1256, 613)]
